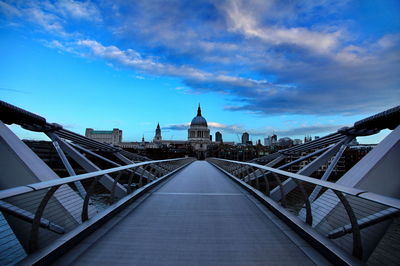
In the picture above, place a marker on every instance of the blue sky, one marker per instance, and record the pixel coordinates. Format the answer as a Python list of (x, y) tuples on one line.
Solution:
[(291, 67)]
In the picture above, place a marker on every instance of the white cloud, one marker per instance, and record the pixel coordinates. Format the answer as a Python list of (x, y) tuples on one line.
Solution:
[(241, 20), (132, 59), (248, 50), (8, 9), (388, 41), (79, 10), (53, 17), (225, 128), (352, 54), (47, 21)]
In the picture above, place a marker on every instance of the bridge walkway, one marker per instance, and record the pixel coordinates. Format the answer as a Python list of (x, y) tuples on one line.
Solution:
[(197, 217)]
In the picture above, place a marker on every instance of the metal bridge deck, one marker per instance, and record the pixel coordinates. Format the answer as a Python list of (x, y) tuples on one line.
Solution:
[(198, 217)]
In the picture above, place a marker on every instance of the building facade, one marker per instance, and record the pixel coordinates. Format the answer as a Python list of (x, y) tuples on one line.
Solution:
[(199, 134), (297, 142), (113, 137)]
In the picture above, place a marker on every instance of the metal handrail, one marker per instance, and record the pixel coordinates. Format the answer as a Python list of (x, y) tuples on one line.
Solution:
[(6, 193), (371, 196)]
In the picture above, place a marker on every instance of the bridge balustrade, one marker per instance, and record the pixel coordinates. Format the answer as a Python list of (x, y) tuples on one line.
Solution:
[(352, 219), (38, 214)]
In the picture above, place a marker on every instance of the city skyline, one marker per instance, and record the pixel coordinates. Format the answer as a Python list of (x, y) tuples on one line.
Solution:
[(215, 127), (292, 68)]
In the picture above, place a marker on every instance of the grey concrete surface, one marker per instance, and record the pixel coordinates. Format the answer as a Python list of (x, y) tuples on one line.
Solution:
[(199, 217)]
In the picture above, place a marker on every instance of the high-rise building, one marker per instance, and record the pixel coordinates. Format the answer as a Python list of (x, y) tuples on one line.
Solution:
[(274, 139), (245, 138), (307, 139), (218, 136), (271, 140)]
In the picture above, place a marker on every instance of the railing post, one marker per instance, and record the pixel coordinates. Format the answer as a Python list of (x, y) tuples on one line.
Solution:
[(247, 175), (141, 175), (357, 243), (89, 192), (266, 183), (131, 175), (307, 202), (114, 186), (34, 236), (255, 178), (283, 194), (242, 174)]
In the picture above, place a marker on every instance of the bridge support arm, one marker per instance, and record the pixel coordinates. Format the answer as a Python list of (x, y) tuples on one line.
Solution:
[(106, 181), (310, 168), (257, 173), (69, 168), (330, 169)]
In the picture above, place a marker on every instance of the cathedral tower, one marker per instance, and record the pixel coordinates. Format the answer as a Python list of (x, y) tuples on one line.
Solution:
[(157, 137)]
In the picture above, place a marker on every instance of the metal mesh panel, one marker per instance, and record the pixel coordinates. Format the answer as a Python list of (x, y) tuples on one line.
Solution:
[(33, 220), (361, 227)]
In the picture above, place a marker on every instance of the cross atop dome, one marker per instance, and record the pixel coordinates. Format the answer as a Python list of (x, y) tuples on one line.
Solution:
[(199, 110)]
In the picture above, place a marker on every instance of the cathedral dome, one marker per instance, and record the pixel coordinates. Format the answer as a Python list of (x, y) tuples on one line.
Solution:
[(199, 120)]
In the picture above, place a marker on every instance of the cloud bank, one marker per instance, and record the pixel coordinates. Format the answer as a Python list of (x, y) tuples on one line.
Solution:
[(263, 132), (267, 57)]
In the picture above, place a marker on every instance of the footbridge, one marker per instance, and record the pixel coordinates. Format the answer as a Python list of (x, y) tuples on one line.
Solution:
[(126, 209)]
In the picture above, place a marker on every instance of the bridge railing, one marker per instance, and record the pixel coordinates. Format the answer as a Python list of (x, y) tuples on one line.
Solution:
[(42, 212), (353, 219)]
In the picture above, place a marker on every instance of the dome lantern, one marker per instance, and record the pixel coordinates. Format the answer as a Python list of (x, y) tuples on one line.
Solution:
[(199, 120)]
